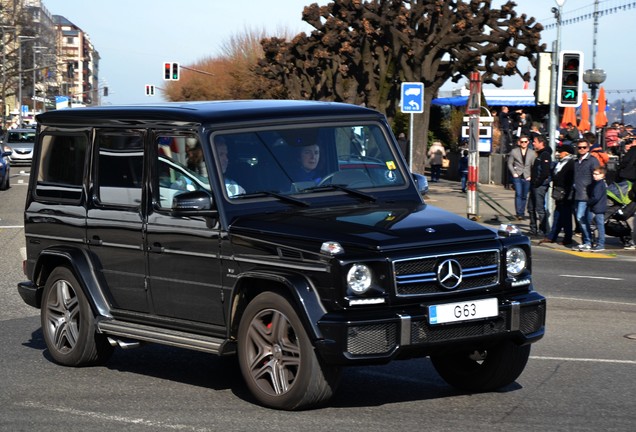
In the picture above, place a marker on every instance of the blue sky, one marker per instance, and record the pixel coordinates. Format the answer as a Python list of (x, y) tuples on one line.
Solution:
[(135, 37)]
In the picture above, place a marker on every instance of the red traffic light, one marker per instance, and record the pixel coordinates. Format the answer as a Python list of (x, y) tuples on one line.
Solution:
[(171, 71)]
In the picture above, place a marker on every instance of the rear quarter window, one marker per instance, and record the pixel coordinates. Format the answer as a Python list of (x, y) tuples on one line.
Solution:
[(60, 167)]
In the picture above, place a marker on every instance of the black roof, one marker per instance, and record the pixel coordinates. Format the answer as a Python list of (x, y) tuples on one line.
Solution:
[(201, 112)]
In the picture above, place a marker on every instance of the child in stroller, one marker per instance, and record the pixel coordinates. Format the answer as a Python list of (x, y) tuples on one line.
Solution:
[(619, 209)]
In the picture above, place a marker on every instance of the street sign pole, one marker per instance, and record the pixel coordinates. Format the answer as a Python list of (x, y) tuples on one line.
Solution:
[(412, 101), (472, 109)]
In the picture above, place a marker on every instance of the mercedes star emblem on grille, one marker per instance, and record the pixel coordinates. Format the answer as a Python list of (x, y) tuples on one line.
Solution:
[(449, 274)]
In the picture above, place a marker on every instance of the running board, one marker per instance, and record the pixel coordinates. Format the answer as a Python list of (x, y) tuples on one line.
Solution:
[(161, 336)]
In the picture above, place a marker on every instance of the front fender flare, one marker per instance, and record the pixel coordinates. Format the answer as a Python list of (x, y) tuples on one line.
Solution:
[(297, 286)]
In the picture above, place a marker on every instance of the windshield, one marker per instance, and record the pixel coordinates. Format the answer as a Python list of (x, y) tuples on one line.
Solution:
[(306, 160), (21, 137)]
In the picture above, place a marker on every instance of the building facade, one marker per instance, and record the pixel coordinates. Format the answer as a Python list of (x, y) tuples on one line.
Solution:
[(45, 58)]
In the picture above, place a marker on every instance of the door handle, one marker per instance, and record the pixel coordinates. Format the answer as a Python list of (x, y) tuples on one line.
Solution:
[(156, 247), (95, 241)]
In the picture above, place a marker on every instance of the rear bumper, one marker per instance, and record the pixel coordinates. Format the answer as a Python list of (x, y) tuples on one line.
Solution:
[(408, 333), (30, 293)]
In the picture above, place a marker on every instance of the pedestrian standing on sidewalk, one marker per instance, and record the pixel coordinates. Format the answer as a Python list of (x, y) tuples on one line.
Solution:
[(463, 169), (598, 206), (436, 155), (539, 185), (627, 165), (583, 169), (562, 193), (520, 163)]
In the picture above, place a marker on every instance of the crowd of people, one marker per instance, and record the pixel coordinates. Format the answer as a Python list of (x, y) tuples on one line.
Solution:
[(577, 174)]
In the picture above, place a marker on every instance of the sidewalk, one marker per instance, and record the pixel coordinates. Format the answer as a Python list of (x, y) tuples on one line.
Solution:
[(447, 194)]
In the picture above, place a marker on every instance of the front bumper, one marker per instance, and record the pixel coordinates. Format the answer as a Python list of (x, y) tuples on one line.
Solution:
[(408, 333)]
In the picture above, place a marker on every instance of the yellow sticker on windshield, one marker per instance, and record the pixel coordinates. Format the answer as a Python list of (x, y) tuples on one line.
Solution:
[(390, 165)]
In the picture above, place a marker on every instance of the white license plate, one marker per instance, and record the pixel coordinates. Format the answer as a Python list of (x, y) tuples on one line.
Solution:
[(462, 311)]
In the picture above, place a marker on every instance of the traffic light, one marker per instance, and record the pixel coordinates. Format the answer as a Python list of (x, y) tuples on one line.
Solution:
[(171, 71), (570, 81), (150, 90)]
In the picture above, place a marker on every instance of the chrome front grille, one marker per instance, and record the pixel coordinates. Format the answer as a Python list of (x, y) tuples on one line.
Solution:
[(418, 276)]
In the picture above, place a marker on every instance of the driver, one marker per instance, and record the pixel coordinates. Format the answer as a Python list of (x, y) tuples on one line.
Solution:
[(307, 170)]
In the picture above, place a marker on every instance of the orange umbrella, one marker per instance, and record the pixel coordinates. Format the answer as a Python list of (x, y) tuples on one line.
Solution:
[(569, 116), (584, 124), (601, 117)]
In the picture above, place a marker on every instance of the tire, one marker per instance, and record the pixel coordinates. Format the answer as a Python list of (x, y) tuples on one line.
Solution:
[(276, 357), (68, 323), (483, 371)]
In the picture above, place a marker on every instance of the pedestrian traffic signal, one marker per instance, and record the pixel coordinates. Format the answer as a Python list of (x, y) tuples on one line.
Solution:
[(150, 90), (171, 71), (570, 81)]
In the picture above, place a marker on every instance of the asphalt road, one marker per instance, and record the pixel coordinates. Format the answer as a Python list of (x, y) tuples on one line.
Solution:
[(581, 376)]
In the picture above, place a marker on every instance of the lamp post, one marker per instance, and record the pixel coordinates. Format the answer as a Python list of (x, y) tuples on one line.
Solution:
[(556, 47), (35, 51), (4, 75), (20, 39), (593, 77)]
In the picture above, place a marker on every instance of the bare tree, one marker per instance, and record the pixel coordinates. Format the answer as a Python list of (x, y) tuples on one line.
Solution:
[(229, 75), (360, 51)]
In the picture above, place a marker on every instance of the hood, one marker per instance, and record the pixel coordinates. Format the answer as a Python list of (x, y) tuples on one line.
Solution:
[(369, 227)]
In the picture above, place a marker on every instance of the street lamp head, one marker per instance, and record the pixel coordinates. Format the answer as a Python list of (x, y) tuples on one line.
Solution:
[(560, 3), (594, 76)]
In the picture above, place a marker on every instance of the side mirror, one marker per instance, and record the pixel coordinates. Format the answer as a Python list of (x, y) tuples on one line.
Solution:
[(421, 183), (195, 203)]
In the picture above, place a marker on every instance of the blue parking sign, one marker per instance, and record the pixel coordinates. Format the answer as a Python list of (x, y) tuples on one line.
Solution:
[(412, 97)]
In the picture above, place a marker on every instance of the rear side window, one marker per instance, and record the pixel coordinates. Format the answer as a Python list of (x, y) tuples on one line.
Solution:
[(119, 165), (61, 163)]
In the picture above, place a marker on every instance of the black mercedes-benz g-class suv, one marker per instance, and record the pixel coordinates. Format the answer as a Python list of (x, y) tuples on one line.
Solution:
[(288, 233)]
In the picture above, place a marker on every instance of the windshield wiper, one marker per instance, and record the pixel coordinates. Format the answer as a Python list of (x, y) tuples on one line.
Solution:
[(353, 192), (276, 195)]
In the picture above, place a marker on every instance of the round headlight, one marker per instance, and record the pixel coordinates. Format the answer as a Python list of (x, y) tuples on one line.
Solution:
[(516, 261), (359, 278)]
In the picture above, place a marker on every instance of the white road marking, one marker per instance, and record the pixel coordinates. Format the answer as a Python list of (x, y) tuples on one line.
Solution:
[(592, 277), (586, 360), (592, 301), (113, 418), (12, 226)]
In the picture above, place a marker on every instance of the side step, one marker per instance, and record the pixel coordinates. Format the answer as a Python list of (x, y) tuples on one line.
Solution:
[(161, 336)]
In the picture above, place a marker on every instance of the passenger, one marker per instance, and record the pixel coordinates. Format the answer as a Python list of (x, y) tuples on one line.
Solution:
[(232, 187), (195, 162), (583, 169), (520, 162), (307, 169), (598, 206), (562, 185)]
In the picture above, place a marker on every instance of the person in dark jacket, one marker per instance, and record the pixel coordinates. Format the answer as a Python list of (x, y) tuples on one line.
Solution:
[(539, 185), (563, 179), (627, 166), (598, 206), (463, 169), (583, 169)]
